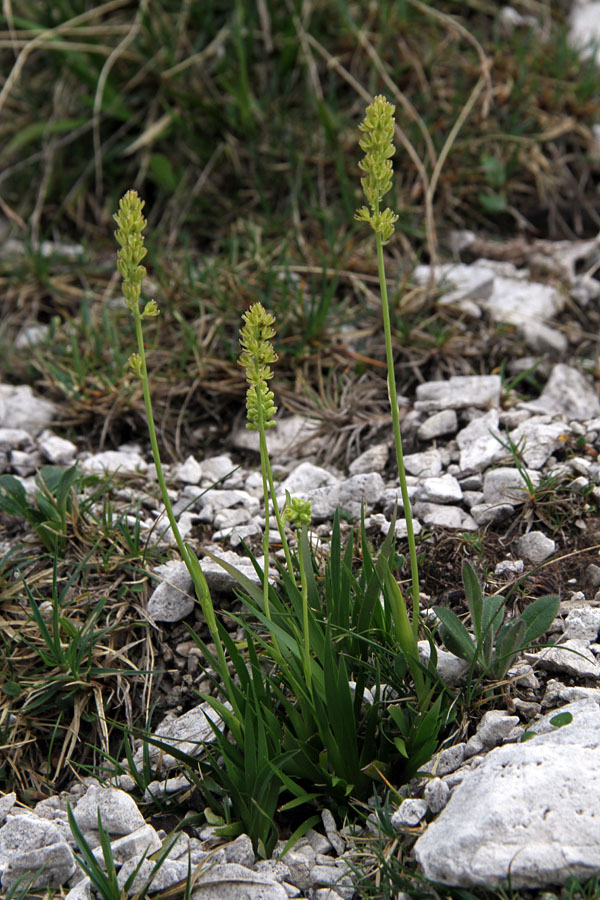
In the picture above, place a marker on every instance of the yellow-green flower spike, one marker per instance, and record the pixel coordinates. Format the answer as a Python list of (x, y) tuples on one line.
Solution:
[(297, 511), (378, 145), (131, 224), (256, 358)]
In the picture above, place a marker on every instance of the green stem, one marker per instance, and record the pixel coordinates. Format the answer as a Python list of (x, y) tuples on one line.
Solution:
[(200, 585), (264, 456), (393, 398), (304, 592)]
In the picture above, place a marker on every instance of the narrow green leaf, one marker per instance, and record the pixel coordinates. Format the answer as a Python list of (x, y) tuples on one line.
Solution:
[(509, 642), (455, 636), (473, 594)]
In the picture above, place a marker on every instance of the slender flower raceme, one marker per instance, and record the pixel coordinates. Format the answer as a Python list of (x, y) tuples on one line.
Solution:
[(256, 357), (377, 144), (129, 235)]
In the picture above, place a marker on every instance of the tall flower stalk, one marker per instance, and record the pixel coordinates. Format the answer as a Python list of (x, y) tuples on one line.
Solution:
[(129, 236), (257, 357), (378, 146), (298, 514)]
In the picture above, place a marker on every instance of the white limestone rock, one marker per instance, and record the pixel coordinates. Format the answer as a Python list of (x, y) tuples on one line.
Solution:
[(213, 501), (427, 464), (525, 815), (436, 794), (451, 668), (57, 450), (557, 694), (453, 517), (537, 438), (168, 874), (443, 422), (567, 393), (304, 478), (21, 409), (131, 846), (409, 813), (219, 579), (349, 495), (372, 460), (173, 599), (215, 468), (443, 489), (458, 281), (535, 546), (15, 439), (292, 437), (55, 864), (189, 471), (572, 657), (479, 448), (187, 732), (128, 462), (584, 27), (81, 891), (459, 392), (507, 485), (229, 881), (495, 727), (118, 811), (583, 624), (7, 802), (28, 844)]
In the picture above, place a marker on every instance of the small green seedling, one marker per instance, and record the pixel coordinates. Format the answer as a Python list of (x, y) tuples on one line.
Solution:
[(496, 642)]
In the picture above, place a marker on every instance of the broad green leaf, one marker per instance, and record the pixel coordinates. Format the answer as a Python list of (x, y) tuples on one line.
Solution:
[(538, 617), (163, 172), (455, 636), (13, 496), (492, 202), (562, 719), (10, 688)]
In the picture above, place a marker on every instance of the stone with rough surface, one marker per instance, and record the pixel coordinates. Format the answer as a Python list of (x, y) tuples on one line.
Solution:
[(459, 392), (535, 546), (567, 392), (349, 495), (173, 599), (118, 811), (445, 516), (171, 872), (440, 423), (478, 446), (435, 795), (187, 732), (427, 464), (142, 840), (124, 461), (525, 814), (409, 813), (57, 450), (572, 657), (443, 489), (49, 866), (21, 409), (230, 881), (495, 726)]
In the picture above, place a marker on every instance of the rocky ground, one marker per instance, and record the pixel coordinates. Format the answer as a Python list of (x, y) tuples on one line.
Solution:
[(499, 471)]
